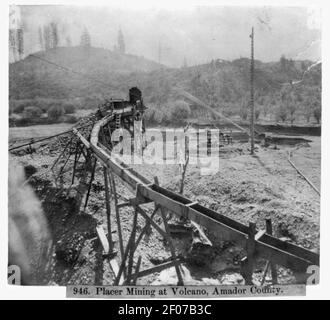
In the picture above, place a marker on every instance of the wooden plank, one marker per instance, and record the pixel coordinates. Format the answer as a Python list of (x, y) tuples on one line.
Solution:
[(156, 269), (153, 223), (103, 239), (273, 268), (137, 269), (281, 257), (290, 248), (250, 248), (108, 206), (81, 137), (259, 234), (115, 268)]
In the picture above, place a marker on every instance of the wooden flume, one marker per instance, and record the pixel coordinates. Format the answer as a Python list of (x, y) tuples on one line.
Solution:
[(258, 244)]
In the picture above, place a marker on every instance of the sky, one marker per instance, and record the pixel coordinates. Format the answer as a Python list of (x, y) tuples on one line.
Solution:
[(198, 34)]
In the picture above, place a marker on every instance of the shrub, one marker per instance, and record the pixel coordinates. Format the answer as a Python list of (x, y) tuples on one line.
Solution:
[(55, 112), (69, 108), (70, 119), (179, 111), (159, 116), (243, 113), (19, 108), (281, 114), (257, 114), (149, 115), (317, 114), (32, 112)]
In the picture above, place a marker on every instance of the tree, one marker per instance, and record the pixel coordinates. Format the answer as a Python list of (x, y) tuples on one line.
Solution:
[(291, 104), (292, 107), (55, 112), (54, 37), (185, 65), (257, 114), (283, 63), (20, 40), (85, 39), (307, 113), (41, 39), (281, 113), (68, 41), (69, 108), (32, 112), (180, 111), (317, 112), (47, 37), (121, 42)]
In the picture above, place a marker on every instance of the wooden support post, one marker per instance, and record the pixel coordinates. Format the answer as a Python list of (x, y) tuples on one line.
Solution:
[(265, 273), (158, 268), (145, 229), (137, 269), (248, 262), (170, 243), (110, 143), (90, 183), (123, 262), (269, 230), (114, 192), (62, 168), (76, 158), (131, 248), (152, 223), (103, 239), (108, 207), (60, 156)]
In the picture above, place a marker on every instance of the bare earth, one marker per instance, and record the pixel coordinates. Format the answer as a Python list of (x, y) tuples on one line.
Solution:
[(245, 188)]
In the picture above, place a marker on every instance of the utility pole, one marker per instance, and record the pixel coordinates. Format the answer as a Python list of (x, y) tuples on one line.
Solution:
[(252, 92)]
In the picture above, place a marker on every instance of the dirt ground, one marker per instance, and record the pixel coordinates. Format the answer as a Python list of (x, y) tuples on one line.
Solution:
[(245, 188)]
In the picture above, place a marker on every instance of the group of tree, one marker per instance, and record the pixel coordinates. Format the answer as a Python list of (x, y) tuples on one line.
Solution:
[(120, 46), (16, 43), (224, 85), (175, 112), (277, 97), (49, 36), (85, 39)]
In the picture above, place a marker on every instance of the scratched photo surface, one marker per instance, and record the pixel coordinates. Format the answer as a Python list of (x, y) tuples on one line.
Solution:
[(153, 146)]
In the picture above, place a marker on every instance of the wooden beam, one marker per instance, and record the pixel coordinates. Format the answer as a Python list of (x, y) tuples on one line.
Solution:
[(103, 239), (156, 269), (81, 137)]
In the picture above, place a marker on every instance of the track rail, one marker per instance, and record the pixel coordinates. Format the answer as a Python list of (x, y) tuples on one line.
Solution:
[(264, 245)]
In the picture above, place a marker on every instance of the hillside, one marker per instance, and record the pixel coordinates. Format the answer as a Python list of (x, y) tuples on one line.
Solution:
[(33, 77), (222, 84)]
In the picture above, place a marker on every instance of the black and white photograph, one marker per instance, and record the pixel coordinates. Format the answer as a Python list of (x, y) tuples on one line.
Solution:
[(164, 147)]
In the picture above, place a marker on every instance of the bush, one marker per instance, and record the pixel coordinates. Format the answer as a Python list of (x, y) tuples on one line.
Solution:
[(243, 113), (69, 108), (317, 114), (32, 112), (257, 114), (179, 111), (149, 115), (19, 108), (70, 119), (159, 116), (55, 112), (281, 113)]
